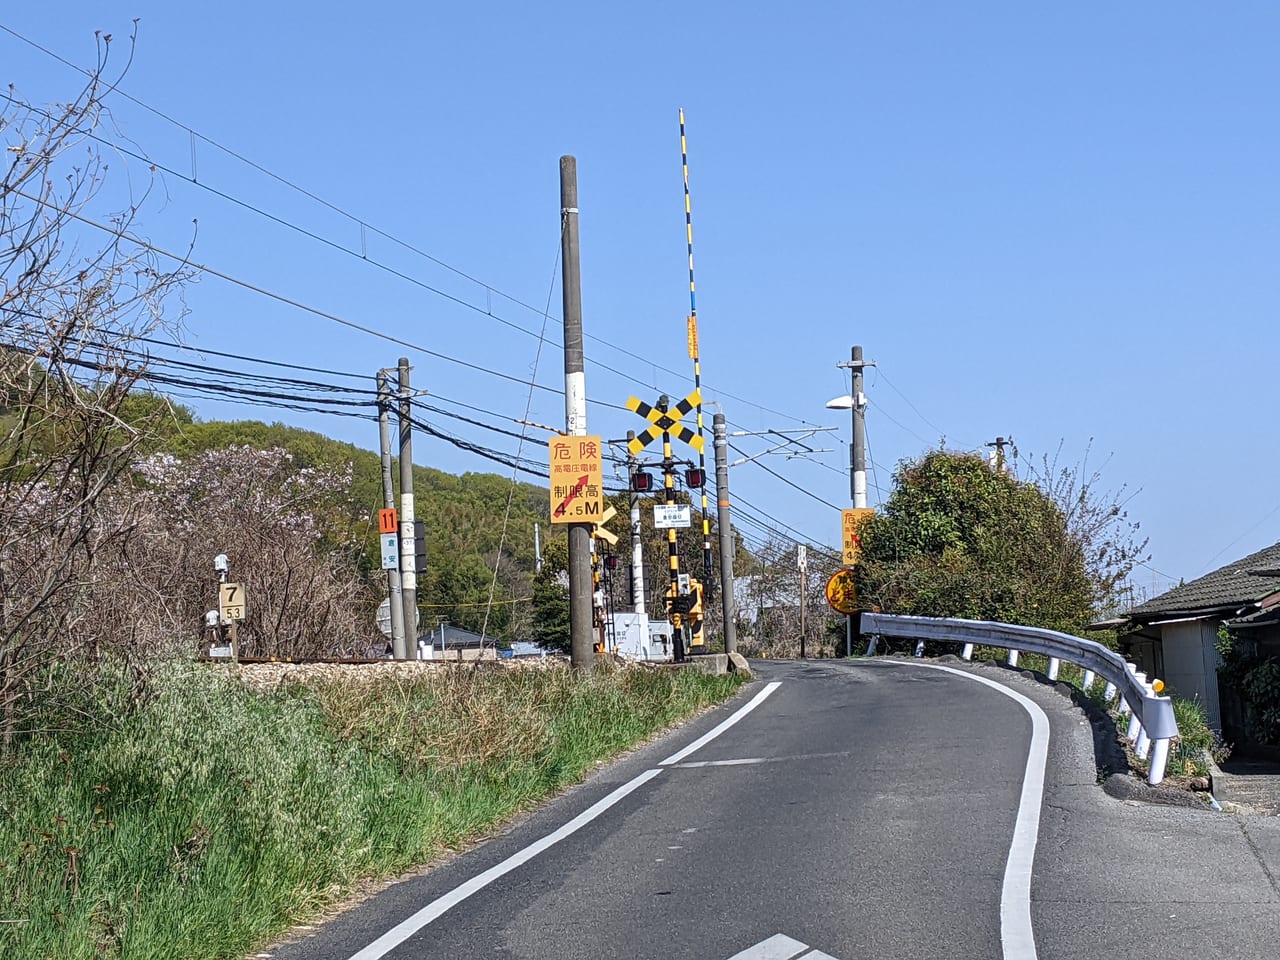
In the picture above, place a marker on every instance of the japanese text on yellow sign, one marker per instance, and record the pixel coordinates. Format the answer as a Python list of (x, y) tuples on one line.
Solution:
[(577, 480), (849, 533)]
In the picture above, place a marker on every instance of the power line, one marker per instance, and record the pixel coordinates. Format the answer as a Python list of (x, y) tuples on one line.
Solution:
[(289, 301), (364, 257)]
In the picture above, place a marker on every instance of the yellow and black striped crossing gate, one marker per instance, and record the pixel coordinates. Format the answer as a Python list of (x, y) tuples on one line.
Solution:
[(665, 421)]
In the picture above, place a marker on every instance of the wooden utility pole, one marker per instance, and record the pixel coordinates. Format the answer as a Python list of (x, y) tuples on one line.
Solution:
[(581, 652)]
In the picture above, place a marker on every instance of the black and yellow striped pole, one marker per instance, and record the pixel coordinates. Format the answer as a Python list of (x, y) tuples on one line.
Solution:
[(673, 547), (694, 352)]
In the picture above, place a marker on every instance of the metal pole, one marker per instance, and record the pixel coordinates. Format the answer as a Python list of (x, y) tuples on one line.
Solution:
[(726, 534), (858, 453), (575, 412), (399, 649), (408, 571), (673, 546), (637, 546), (695, 354)]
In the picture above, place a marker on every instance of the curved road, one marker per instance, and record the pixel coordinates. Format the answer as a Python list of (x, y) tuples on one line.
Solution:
[(857, 809)]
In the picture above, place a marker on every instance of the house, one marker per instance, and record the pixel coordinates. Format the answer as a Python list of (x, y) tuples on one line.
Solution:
[(1174, 636)]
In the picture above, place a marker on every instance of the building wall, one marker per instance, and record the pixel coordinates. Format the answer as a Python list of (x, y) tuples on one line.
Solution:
[(1191, 664)]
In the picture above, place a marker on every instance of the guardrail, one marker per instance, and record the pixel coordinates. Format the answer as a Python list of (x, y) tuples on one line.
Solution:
[(1151, 721)]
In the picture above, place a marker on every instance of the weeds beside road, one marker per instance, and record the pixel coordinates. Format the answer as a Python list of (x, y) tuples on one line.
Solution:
[(205, 817)]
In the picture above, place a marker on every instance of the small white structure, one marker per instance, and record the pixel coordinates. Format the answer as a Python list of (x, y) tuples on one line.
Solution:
[(636, 637)]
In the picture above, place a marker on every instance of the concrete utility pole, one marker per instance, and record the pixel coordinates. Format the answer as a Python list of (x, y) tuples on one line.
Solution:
[(399, 649), (581, 653), (726, 534), (408, 571), (637, 546), (802, 564), (858, 449), (857, 454)]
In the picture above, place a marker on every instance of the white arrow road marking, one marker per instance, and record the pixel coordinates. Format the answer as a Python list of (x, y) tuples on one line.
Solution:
[(781, 947)]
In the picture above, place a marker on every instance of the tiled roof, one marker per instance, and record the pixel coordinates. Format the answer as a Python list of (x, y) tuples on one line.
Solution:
[(1234, 585)]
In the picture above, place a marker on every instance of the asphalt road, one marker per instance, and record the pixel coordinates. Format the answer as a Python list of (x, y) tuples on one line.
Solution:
[(859, 809)]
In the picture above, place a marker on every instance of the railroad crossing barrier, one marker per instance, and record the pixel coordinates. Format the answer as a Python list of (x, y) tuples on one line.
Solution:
[(1151, 722)]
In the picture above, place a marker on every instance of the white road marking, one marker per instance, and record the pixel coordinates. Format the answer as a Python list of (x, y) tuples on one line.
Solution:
[(706, 738), (722, 763), (1017, 939), (781, 947), (777, 947), (408, 927)]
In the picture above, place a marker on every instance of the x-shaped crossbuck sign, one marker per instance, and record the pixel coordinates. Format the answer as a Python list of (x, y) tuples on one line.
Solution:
[(665, 421)]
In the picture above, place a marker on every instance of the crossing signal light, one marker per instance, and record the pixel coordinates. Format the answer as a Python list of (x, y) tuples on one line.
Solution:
[(695, 478), (611, 562), (641, 482)]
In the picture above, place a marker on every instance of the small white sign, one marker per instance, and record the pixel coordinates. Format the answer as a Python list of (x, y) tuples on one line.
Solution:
[(220, 652), (802, 556), (668, 516), (390, 551), (384, 617)]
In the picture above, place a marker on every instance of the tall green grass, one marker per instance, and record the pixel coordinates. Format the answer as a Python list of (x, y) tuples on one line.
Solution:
[(210, 817)]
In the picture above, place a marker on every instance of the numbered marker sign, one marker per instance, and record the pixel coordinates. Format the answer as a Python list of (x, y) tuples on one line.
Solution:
[(231, 601)]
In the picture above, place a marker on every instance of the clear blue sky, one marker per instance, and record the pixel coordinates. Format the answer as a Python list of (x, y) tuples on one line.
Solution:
[(1055, 222)]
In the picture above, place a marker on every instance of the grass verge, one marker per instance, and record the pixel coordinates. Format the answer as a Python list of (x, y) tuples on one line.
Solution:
[(209, 817)]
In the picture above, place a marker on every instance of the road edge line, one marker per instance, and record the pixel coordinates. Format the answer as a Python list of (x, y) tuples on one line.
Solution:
[(408, 927), (1017, 937), (724, 725)]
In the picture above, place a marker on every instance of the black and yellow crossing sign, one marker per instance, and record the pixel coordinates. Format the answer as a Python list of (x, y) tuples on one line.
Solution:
[(665, 421)]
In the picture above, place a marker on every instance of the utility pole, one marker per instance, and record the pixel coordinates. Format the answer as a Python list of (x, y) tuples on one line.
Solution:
[(802, 563), (726, 533), (581, 653), (857, 457), (399, 649), (858, 449), (408, 571), (997, 454), (637, 546)]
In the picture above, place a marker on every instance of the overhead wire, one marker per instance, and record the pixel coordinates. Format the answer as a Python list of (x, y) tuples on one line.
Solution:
[(364, 257)]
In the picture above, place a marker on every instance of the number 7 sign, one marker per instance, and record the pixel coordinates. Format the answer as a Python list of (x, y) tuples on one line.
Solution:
[(231, 601)]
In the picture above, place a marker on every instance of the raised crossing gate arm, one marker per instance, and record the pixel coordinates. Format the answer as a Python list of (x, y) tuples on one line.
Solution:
[(1152, 724)]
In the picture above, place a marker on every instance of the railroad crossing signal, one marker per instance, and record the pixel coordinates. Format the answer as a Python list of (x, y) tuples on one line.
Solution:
[(601, 531), (665, 421)]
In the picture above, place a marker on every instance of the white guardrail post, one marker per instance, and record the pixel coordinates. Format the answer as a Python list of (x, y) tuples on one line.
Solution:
[(1151, 722)]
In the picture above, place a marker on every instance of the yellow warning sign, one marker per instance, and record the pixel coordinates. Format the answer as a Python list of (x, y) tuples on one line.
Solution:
[(577, 479), (849, 521)]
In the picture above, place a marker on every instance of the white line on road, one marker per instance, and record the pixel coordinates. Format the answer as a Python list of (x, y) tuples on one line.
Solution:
[(723, 763), (407, 928), (1017, 939), (706, 738), (411, 925)]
